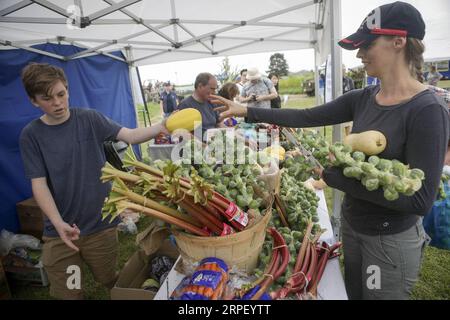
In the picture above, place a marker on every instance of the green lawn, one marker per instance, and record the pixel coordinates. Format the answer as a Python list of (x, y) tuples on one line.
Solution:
[(153, 109), (434, 281), (444, 84)]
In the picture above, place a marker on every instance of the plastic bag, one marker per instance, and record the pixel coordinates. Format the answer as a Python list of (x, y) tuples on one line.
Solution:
[(129, 220), (127, 225), (9, 241), (437, 222)]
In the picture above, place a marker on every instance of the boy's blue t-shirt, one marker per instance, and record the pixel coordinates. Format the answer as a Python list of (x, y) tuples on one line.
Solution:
[(70, 155)]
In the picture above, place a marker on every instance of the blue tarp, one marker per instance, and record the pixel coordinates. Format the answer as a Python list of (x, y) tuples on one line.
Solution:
[(96, 82)]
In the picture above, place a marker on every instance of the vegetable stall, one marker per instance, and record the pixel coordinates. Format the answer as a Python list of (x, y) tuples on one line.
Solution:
[(246, 197)]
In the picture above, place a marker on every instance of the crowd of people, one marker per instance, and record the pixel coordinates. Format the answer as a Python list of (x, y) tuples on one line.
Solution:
[(250, 88)]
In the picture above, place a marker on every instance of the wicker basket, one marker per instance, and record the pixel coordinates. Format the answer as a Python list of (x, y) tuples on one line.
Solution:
[(239, 250)]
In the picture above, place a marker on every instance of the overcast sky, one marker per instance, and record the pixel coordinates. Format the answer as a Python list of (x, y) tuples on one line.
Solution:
[(184, 72)]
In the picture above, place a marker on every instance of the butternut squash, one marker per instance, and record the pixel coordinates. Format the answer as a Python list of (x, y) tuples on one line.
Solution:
[(369, 142), (186, 119)]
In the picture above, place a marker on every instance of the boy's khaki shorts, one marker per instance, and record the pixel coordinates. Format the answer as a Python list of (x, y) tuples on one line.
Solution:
[(99, 251)]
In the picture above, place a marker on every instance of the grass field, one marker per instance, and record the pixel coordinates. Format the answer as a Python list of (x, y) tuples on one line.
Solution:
[(444, 84), (434, 281)]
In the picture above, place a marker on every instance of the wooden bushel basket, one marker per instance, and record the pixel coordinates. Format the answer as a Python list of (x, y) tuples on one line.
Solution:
[(240, 250)]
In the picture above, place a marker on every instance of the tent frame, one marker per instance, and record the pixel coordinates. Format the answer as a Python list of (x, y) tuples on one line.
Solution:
[(81, 21)]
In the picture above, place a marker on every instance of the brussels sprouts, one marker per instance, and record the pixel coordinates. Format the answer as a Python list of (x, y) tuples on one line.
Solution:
[(359, 156), (400, 186), (399, 169), (297, 235), (386, 178), (373, 160), (384, 165), (417, 174), (372, 184), (390, 194)]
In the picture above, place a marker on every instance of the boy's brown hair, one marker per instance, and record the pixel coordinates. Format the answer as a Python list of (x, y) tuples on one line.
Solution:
[(39, 78)]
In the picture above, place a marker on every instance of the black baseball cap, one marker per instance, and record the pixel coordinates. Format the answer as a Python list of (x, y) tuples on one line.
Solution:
[(393, 19)]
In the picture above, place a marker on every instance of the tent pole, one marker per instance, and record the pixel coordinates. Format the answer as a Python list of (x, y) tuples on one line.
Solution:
[(316, 76), (336, 74), (143, 96)]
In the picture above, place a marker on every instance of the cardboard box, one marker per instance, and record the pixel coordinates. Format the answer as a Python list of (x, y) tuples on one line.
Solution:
[(31, 218), (136, 271), (5, 293)]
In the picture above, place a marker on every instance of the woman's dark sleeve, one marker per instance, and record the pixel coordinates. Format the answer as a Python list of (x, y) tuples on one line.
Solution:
[(337, 111), (425, 149)]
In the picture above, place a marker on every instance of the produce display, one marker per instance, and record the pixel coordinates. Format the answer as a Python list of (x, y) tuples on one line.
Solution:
[(218, 188), (294, 264), (297, 208), (298, 204), (308, 268), (142, 190), (238, 179), (392, 176), (275, 268), (237, 183)]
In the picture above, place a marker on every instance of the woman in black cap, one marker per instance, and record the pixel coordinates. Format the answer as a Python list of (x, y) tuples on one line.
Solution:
[(383, 240)]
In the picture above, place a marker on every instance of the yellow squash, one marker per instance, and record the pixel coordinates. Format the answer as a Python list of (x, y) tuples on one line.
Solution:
[(369, 142), (186, 119), (276, 151)]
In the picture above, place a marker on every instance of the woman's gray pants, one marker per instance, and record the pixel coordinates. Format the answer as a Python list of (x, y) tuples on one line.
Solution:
[(382, 266)]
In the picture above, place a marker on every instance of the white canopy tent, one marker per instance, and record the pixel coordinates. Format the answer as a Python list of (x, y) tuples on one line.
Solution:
[(164, 31)]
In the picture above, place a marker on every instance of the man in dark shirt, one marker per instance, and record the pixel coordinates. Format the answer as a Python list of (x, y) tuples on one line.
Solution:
[(168, 100), (205, 84)]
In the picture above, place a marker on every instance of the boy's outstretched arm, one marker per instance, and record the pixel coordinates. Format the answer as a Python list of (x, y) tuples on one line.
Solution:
[(139, 135), (45, 200)]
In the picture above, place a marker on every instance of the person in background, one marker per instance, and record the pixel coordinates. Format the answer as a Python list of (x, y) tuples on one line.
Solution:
[(347, 82), (275, 103), (229, 91), (242, 80), (62, 153), (377, 233), (258, 91), (434, 76), (168, 100), (205, 85)]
